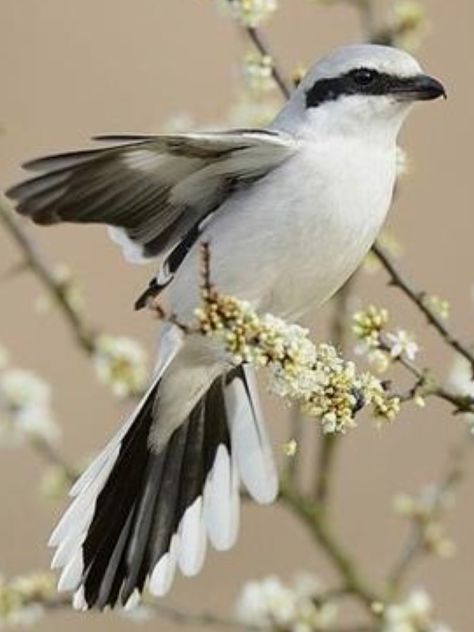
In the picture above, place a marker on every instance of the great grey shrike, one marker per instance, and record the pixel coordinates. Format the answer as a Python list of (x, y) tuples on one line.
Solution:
[(289, 212)]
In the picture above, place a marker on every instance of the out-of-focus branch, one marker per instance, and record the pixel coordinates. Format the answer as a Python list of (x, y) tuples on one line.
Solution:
[(34, 260), (187, 618), (51, 455), (418, 297), (314, 517), (414, 548), (168, 613), (328, 444)]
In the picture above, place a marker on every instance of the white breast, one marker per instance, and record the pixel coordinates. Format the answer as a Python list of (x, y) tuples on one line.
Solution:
[(291, 241)]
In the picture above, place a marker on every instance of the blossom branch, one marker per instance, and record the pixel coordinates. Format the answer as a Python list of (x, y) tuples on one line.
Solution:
[(257, 39), (418, 297), (427, 385)]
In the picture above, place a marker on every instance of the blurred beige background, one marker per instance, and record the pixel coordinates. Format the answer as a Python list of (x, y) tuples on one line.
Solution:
[(69, 70)]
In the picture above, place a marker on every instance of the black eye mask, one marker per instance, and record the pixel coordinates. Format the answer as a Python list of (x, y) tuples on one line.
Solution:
[(364, 81)]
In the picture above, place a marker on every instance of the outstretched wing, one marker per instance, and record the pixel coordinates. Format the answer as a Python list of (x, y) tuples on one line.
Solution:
[(152, 190)]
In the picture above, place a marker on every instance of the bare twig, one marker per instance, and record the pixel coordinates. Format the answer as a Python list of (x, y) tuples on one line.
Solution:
[(34, 260)]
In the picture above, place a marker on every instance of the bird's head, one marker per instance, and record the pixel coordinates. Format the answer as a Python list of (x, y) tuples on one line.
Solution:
[(365, 88)]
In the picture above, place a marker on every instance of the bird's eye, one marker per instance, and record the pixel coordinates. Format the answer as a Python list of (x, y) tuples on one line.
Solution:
[(364, 76)]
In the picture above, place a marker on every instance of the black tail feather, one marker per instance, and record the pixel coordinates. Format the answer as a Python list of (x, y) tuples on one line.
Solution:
[(145, 497)]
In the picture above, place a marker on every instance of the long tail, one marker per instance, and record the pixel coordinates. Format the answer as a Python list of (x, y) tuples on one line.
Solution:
[(137, 515)]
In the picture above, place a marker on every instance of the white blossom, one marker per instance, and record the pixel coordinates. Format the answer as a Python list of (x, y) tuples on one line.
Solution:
[(25, 408), (266, 602), (290, 448), (440, 306), (250, 12), (409, 23), (402, 162), (120, 363), (295, 607), (460, 379), (317, 378), (415, 614), (402, 344), (378, 360), (258, 72), (21, 616), (20, 599)]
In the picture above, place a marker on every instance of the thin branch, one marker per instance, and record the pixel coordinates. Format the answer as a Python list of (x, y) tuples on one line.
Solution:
[(34, 260), (426, 385), (418, 297), (257, 39)]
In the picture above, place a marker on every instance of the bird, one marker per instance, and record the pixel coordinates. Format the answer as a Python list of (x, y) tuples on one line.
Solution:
[(288, 212)]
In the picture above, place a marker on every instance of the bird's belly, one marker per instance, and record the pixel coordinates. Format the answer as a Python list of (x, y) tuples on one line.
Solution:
[(290, 242)]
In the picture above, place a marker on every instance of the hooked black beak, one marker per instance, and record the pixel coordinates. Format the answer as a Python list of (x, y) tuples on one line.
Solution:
[(419, 88)]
